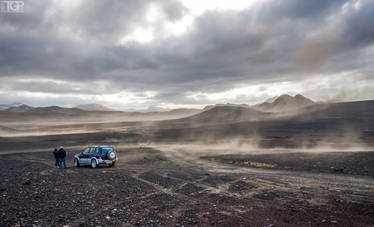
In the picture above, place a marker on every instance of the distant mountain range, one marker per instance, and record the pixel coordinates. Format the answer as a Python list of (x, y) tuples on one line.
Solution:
[(20, 107), (283, 103), (276, 104), (90, 112), (12, 105), (340, 125), (213, 113), (286, 121)]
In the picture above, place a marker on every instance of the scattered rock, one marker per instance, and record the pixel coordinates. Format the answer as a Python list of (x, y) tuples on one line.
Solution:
[(339, 200)]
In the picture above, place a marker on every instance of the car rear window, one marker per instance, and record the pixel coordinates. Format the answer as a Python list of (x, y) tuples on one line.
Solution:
[(106, 149)]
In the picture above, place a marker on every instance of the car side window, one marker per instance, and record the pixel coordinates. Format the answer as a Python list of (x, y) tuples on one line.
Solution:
[(86, 151), (93, 150), (107, 149)]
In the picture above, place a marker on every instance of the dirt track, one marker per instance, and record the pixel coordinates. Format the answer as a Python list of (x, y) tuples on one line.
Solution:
[(149, 187)]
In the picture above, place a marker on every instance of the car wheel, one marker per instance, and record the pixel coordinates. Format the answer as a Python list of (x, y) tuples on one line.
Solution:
[(111, 155), (111, 164), (76, 162), (93, 163)]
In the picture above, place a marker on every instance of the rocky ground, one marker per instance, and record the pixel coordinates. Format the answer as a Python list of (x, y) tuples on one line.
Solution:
[(148, 187), (351, 163)]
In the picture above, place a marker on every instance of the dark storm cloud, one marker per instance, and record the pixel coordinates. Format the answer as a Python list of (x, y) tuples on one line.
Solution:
[(39, 41), (296, 9), (271, 41), (358, 29), (56, 87)]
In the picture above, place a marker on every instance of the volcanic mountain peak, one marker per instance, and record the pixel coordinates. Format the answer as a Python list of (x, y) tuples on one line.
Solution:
[(285, 102), (16, 104), (283, 99), (270, 100), (303, 100), (221, 114), (93, 107)]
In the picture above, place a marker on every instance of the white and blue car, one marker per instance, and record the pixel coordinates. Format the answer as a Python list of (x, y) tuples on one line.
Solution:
[(95, 156)]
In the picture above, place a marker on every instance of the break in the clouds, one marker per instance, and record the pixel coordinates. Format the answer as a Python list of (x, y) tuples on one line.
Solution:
[(137, 54)]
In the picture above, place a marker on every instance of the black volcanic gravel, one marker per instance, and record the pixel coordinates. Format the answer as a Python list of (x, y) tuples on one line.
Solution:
[(160, 193)]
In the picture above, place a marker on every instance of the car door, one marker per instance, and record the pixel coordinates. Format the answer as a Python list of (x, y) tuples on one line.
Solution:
[(84, 156), (92, 153)]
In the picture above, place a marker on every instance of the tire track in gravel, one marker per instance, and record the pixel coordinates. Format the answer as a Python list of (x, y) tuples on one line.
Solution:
[(179, 157)]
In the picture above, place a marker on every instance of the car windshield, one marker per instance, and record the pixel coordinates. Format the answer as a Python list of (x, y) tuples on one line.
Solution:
[(107, 149)]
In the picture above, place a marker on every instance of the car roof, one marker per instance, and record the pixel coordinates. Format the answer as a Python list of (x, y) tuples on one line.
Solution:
[(102, 146)]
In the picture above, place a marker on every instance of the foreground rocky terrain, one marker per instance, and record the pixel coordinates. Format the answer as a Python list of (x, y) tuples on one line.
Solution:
[(151, 187)]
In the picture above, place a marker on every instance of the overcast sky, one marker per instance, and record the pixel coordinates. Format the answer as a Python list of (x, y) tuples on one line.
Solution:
[(144, 54)]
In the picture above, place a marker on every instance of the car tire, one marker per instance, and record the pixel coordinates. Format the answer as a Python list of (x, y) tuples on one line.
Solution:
[(76, 162), (93, 163), (111, 155), (112, 164)]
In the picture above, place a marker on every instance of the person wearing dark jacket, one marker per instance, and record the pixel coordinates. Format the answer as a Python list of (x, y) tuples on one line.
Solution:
[(57, 161), (62, 157)]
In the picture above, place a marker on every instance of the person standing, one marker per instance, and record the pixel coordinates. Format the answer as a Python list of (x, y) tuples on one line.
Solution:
[(62, 157), (57, 161)]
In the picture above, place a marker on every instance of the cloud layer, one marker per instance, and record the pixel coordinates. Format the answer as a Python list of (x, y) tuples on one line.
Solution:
[(141, 53)]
